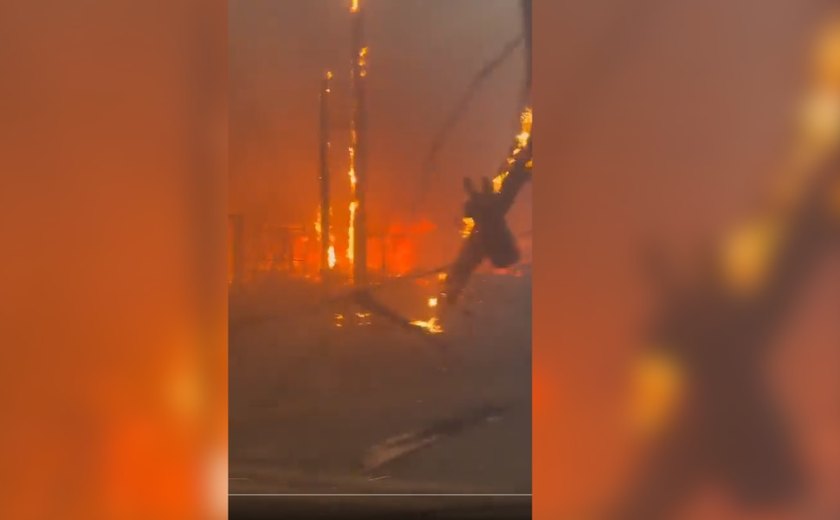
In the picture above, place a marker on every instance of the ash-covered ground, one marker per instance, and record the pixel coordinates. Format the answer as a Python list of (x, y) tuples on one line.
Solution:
[(372, 408)]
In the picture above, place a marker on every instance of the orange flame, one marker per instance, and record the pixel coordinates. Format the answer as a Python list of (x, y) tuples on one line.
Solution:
[(354, 203), (468, 224), (331, 256), (363, 61), (354, 6), (350, 231), (331, 259), (432, 326), (526, 121)]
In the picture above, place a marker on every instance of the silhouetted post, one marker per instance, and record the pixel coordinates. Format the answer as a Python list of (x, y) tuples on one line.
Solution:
[(237, 267)]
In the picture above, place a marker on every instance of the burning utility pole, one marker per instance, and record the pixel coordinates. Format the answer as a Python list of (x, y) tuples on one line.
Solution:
[(357, 247), (327, 259)]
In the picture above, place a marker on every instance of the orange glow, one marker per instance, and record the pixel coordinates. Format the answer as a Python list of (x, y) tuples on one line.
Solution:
[(354, 6), (290, 249), (400, 246), (433, 302), (658, 387)]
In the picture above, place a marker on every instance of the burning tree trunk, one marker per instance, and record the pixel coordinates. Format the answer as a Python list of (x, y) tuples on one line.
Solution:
[(359, 150), (325, 177)]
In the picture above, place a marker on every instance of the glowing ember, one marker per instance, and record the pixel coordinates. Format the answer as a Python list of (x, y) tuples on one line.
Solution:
[(363, 319), (442, 277), (432, 326), (363, 61), (354, 6), (433, 302)]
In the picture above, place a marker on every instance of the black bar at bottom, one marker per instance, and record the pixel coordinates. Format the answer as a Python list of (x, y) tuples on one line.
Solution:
[(380, 507)]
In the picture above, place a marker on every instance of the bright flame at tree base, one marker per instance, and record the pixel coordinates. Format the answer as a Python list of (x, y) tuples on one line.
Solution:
[(331, 257)]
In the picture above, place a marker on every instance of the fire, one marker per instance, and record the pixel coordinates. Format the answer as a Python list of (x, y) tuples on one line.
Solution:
[(498, 180), (468, 225), (354, 6), (363, 61), (354, 203), (432, 326), (526, 121), (328, 76), (352, 171), (331, 256), (331, 259), (350, 234)]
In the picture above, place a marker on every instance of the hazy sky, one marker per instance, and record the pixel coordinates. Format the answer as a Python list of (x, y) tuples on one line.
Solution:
[(423, 54)]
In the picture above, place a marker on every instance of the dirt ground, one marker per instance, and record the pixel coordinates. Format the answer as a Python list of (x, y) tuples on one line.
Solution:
[(316, 408)]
